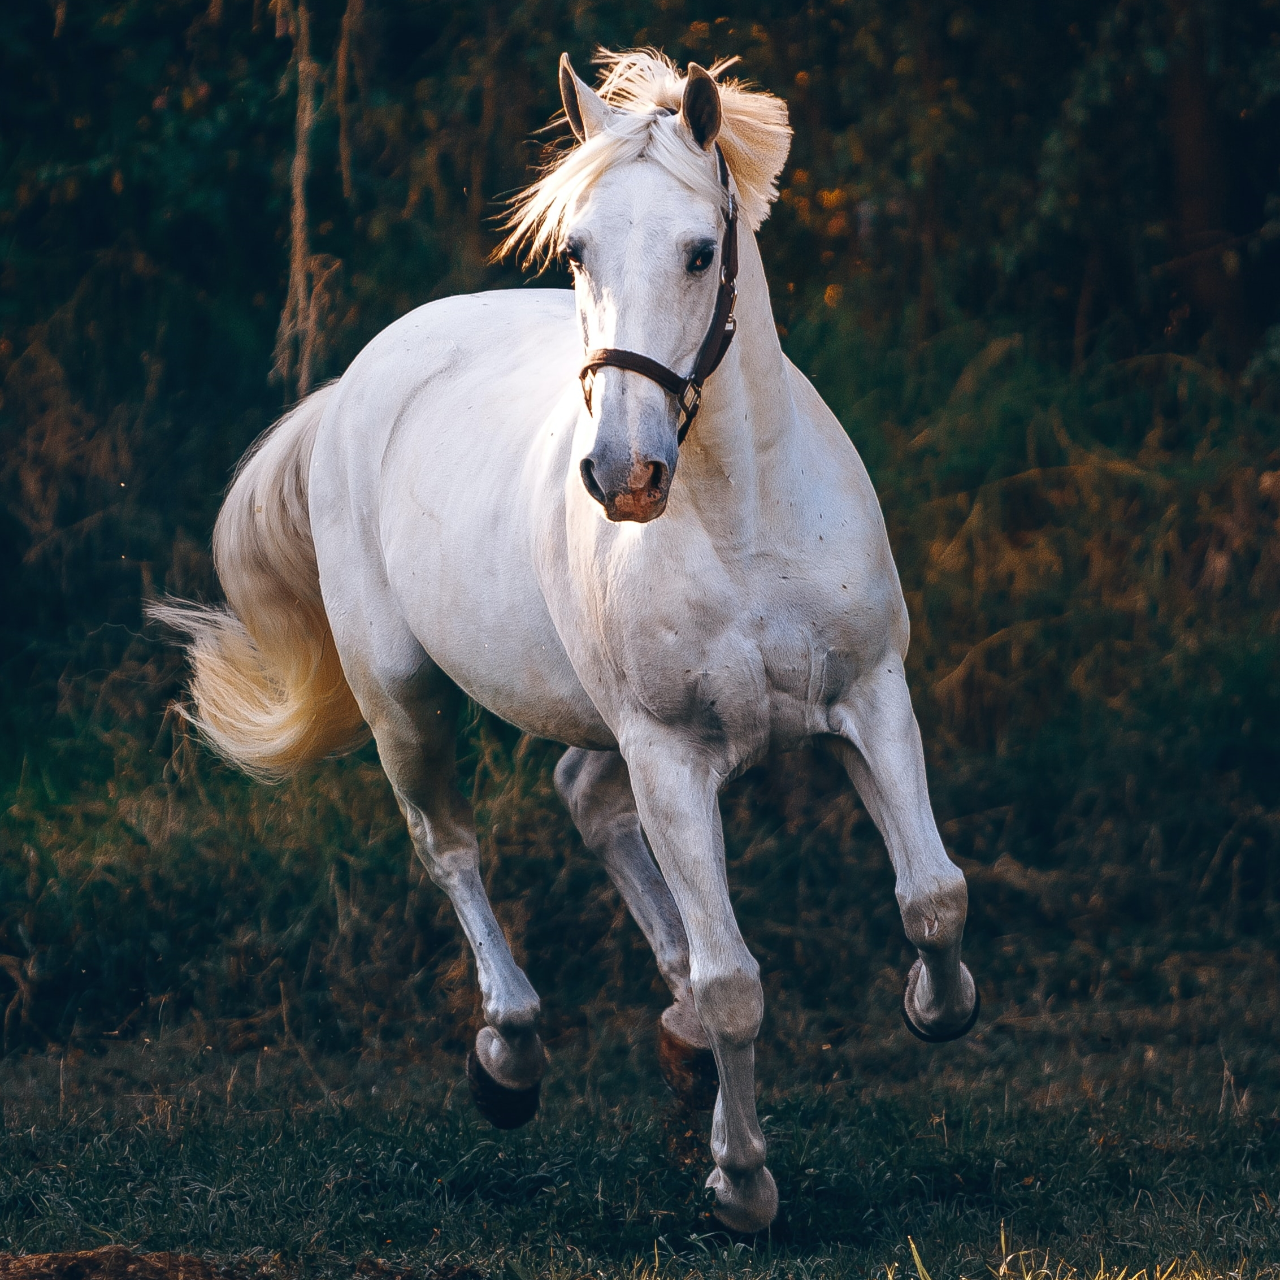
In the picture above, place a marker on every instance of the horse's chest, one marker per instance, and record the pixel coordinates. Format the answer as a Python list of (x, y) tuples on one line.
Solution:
[(806, 667), (708, 681), (737, 652), (744, 681)]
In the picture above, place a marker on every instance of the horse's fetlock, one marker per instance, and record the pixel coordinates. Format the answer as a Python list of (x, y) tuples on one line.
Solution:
[(746, 1156), (514, 1017), (515, 1060), (748, 1203)]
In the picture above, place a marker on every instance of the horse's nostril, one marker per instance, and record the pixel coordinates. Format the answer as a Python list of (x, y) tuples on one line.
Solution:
[(658, 476), (589, 479)]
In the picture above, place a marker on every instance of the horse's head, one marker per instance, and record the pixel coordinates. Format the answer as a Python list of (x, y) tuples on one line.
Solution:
[(643, 210), (645, 249)]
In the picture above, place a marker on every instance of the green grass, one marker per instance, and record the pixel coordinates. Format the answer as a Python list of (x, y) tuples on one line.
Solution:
[(1091, 570), (179, 1147)]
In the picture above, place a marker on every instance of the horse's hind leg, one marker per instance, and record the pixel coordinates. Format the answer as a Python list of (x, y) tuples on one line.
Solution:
[(596, 789), (879, 745), (415, 728)]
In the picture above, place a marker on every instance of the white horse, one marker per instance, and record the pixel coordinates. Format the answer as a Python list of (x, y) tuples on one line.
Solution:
[(455, 516)]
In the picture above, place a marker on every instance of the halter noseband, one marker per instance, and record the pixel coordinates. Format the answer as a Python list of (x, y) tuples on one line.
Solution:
[(687, 391)]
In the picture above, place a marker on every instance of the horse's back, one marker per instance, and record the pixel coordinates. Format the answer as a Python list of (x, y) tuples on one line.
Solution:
[(427, 477), (463, 351)]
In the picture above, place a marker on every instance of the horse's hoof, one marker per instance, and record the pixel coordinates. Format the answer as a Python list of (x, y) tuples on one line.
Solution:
[(936, 1034), (502, 1107), (746, 1204), (688, 1069)]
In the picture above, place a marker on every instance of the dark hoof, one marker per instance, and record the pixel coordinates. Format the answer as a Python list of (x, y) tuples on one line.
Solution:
[(690, 1071), (937, 1037), (502, 1107)]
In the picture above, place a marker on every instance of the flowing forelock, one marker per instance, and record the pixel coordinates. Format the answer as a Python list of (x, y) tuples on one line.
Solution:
[(645, 89)]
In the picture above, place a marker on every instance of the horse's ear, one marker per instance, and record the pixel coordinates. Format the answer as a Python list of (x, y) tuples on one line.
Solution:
[(701, 106), (586, 111)]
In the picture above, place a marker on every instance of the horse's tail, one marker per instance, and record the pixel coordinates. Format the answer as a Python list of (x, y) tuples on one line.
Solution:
[(267, 688)]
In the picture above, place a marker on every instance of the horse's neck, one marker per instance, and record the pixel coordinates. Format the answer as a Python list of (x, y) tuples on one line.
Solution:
[(748, 412)]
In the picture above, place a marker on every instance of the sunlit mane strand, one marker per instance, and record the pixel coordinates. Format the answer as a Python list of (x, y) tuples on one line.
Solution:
[(645, 89)]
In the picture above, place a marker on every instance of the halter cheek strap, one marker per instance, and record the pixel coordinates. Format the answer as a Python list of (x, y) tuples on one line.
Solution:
[(687, 391)]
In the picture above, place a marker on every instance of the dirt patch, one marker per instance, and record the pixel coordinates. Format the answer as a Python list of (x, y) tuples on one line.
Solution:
[(112, 1262), (115, 1262)]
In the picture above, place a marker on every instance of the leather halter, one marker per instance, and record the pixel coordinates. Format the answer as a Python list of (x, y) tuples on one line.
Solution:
[(687, 391)]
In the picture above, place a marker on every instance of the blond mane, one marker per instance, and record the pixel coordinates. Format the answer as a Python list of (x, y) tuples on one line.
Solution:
[(645, 89)]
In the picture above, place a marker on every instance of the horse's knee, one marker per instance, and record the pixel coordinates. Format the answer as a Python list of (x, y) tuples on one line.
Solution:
[(730, 1002), (586, 779), (578, 777), (597, 792), (568, 776)]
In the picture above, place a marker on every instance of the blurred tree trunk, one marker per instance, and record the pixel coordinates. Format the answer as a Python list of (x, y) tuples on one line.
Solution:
[(1200, 187), (928, 229), (1084, 308)]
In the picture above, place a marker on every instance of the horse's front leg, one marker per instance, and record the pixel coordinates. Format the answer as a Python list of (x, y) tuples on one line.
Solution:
[(676, 799), (879, 745)]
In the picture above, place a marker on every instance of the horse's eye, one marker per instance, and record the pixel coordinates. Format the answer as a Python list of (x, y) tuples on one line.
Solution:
[(702, 258), (573, 252)]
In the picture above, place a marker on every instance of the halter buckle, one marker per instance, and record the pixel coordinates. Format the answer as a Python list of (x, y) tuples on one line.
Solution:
[(689, 400)]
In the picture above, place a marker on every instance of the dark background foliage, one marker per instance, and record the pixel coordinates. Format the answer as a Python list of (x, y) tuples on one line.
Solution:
[(1028, 253)]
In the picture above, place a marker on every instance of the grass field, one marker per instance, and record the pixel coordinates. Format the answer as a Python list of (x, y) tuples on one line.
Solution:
[(232, 1017), (1091, 567), (283, 1164)]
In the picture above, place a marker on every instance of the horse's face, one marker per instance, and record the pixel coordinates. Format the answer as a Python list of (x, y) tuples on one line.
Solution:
[(644, 252)]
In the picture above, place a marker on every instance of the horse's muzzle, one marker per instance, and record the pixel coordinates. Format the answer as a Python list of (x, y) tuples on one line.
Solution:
[(639, 493)]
